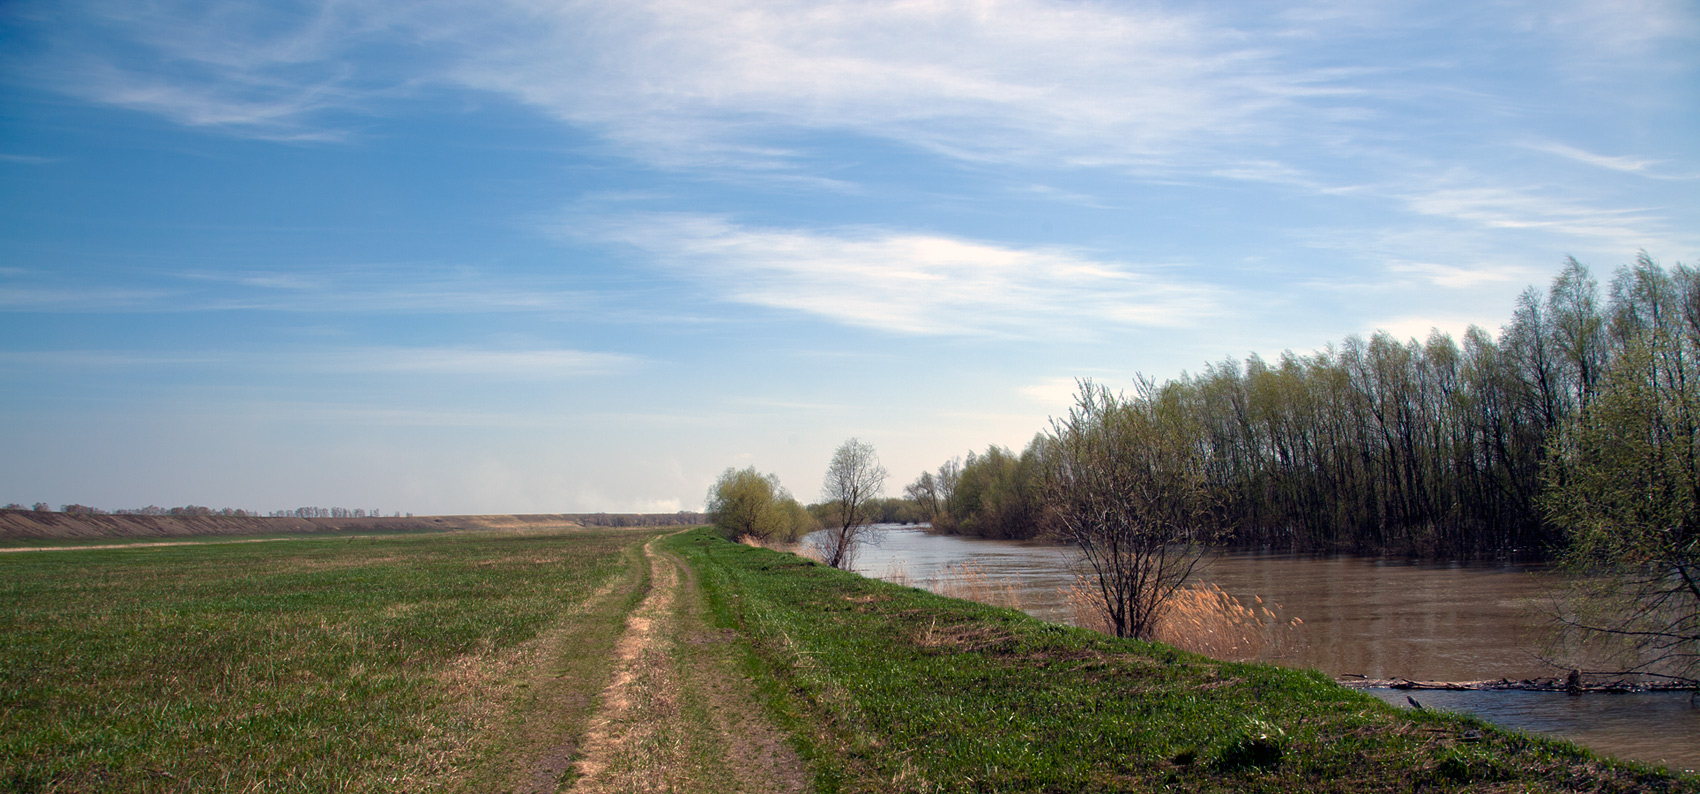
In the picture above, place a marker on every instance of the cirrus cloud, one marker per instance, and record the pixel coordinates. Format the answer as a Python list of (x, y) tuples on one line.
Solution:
[(910, 282)]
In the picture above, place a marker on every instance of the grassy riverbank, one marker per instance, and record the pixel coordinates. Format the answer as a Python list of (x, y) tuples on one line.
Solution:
[(349, 664), (504, 661), (891, 688)]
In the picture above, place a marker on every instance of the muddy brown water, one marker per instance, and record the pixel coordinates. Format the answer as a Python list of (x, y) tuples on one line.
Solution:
[(1374, 617)]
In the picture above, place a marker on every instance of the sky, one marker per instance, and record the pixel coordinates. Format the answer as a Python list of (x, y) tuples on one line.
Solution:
[(516, 256)]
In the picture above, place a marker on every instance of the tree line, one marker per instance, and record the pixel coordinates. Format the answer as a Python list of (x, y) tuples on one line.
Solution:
[(1436, 448), (201, 510)]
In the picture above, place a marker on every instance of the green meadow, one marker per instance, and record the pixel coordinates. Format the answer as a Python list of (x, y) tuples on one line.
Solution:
[(352, 664)]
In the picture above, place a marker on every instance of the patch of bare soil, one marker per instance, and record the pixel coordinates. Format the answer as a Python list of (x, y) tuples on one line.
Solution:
[(677, 717)]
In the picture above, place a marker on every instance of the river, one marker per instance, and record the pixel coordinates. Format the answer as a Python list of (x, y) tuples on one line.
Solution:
[(1373, 617)]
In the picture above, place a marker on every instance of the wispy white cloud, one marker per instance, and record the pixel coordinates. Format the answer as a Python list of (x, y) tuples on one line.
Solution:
[(508, 364), (1631, 165), (422, 298), (1519, 208), (1632, 30), (263, 70), (282, 117), (89, 360), (264, 279), (1407, 327), (353, 289), (911, 282), (1628, 164), (483, 362), (1011, 79), (1056, 393), (739, 86), (766, 404), (713, 83), (1455, 276), (388, 415), (69, 299)]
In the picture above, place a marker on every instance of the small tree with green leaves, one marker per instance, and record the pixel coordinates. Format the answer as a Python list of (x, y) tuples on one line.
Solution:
[(1624, 482), (745, 502)]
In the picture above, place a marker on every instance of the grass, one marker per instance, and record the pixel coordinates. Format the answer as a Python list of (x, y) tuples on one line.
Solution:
[(358, 664), (26, 544), (890, 688)]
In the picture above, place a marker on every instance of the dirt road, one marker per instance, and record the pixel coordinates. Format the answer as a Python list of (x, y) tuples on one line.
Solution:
[(677, 715)]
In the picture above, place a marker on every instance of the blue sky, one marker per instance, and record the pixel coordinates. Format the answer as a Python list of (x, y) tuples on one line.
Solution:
[(456, 257)]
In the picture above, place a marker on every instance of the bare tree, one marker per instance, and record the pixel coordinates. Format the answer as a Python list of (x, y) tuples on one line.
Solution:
[(853, 478), (924, 492), (1124, 483), (934, 493)]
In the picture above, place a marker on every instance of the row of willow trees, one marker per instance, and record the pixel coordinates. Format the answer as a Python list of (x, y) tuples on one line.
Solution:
[(1435, 448)]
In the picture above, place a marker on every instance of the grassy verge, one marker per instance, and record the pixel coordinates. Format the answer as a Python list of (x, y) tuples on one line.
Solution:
[(356, 664), (889, 688)]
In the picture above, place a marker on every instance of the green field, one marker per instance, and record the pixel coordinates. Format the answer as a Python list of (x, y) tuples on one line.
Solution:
[(354, 664)]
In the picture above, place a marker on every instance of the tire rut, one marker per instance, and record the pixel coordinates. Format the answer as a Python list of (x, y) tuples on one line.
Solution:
[(676, 716)]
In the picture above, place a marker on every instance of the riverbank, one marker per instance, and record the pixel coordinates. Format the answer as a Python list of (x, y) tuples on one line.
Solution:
[(892, 688)]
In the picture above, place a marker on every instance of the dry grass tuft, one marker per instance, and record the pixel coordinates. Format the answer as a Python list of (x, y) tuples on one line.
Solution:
[(898, 573), (1088, 609), (1204, 619), (961, 637), (808, 552), (967, 580)]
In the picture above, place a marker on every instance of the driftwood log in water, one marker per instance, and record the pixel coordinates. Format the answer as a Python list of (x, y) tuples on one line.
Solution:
[(1563, 683)]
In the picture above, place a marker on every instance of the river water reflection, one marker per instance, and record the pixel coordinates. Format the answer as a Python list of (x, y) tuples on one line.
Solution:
[(1372, 617)]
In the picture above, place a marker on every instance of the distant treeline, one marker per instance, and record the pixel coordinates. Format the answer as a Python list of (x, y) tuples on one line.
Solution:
[(1430, 448), (891, 510), (198, 510), (681, 518)]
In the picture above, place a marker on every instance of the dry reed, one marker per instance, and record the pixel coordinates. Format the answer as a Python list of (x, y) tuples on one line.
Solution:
[(897, 572), (807, 551), (969, 581), (1203, 619)]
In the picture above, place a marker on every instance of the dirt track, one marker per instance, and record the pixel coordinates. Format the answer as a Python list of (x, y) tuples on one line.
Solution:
[(677, 716)]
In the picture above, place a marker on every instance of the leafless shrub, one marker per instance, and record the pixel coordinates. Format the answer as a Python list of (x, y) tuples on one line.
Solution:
[(1124, 485)]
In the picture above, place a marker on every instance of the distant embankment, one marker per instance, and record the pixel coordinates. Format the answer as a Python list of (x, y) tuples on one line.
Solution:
[(26, 524)]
